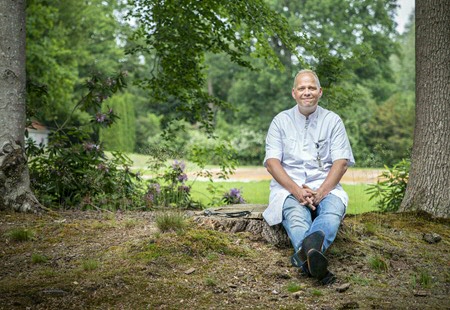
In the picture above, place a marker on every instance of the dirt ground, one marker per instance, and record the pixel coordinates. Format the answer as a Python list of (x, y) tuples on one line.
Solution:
[(103, 260)]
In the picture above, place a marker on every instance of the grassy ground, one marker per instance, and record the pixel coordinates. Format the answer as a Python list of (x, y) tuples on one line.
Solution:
[(95, 260), (258, 192)]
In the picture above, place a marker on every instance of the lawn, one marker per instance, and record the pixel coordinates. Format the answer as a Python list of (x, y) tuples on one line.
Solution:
[(257, 192)]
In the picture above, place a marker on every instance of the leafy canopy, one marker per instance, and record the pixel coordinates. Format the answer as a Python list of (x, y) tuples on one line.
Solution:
[(177, 34)]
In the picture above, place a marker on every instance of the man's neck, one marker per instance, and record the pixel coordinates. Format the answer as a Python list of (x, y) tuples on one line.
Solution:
[(307, 112)]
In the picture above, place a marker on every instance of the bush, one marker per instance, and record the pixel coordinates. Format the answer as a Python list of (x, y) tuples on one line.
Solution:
[(390, 190), (169, 189), (74, 171)]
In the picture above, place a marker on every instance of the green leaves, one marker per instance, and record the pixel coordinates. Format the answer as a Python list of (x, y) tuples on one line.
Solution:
[(391, 186), (179, 33)]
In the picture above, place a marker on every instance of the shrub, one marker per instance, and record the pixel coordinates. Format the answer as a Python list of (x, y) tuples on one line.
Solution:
[(391, 186), (170, 189), (73, 170)]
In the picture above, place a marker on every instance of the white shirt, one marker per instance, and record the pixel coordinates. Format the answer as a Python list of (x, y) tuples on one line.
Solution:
[(306, 148)]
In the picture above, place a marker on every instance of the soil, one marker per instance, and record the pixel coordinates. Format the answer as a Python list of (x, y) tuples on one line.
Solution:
[(103, 260)]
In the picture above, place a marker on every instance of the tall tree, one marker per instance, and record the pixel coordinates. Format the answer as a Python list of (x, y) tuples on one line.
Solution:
[(15, 190), (429, 183)]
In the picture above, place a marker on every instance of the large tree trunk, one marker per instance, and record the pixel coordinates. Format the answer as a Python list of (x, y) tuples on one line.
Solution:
[(15, 190), (429, 182)]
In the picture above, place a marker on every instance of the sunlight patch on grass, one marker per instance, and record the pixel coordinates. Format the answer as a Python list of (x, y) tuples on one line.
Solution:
[(257, 192)]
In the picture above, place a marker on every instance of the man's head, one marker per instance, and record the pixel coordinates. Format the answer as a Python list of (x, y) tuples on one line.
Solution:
[(306, 91)]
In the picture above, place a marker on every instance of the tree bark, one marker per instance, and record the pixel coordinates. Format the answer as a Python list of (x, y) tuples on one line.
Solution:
[(429, 181), (252, 223), (15, 190)]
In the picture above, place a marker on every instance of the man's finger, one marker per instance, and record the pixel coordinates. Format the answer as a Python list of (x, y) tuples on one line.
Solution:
[(309, 188)]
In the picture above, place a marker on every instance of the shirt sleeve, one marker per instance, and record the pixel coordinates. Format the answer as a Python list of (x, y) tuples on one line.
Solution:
[(274, 145), (340, 144)]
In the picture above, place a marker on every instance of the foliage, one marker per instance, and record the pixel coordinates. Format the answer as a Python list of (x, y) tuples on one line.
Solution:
[(233, 196), (390, 130), (179, 33), (170, 189), (391, 186), (73, 170), (66, 43), (122, 136)]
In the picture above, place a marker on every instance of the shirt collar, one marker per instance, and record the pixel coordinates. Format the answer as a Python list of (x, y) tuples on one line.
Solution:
[(312, 117)]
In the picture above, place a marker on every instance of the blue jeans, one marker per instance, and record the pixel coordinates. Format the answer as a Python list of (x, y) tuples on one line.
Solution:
[(299, 221)]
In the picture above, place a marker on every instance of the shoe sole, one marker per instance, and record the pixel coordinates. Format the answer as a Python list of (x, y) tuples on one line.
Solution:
[(317, 264), (313, 241)]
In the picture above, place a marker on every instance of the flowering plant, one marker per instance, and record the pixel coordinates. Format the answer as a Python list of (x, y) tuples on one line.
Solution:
[(174, 191), (233, 196)]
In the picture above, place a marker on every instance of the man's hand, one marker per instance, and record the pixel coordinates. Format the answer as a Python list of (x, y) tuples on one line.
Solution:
[(317, 195), (306, 195)]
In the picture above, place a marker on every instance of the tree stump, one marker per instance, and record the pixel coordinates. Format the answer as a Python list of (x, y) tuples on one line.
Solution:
[(221, 219)]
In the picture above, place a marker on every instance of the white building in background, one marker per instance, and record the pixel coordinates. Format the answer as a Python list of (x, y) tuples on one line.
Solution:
[(38, 133)]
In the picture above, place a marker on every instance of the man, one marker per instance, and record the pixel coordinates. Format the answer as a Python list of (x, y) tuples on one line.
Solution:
[(307, 153)]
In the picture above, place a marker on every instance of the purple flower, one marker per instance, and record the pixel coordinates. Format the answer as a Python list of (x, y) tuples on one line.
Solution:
[(155, 187), (182, 177), (184, 188), (178, 165), (233, 197), (149, 197), (103, 167), (100, 117), (89, 146)]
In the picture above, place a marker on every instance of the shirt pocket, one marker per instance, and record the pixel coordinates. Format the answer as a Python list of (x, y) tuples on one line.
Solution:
[(319, 155), (323, 149)]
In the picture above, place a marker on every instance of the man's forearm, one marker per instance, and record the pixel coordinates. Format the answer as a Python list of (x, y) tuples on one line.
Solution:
[(277, 171), (335, 175), (303, 195)]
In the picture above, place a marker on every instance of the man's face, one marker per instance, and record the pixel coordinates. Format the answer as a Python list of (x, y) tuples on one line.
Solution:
[(306, 93)]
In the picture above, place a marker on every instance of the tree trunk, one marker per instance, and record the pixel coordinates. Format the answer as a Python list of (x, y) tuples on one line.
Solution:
[(15, 190), (253, 223), (429, 181)]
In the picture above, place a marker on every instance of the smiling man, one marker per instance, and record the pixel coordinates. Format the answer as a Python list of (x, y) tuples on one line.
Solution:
[(307, 153)]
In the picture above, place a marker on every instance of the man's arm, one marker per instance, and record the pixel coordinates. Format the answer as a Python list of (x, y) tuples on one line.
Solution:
[(304, 195), (337, 170)]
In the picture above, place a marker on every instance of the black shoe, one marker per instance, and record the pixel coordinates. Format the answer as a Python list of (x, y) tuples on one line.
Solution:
[(329, 278), (317, 264), (312, 241)]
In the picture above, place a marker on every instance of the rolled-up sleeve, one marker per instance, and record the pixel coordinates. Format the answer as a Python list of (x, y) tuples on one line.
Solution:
[(274, 145), (340, 144)]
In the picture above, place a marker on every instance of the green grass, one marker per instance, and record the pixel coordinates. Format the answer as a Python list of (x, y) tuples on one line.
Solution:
[(257, 192), (170, 222), (89, 265), (20, 234), (37, 258)]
